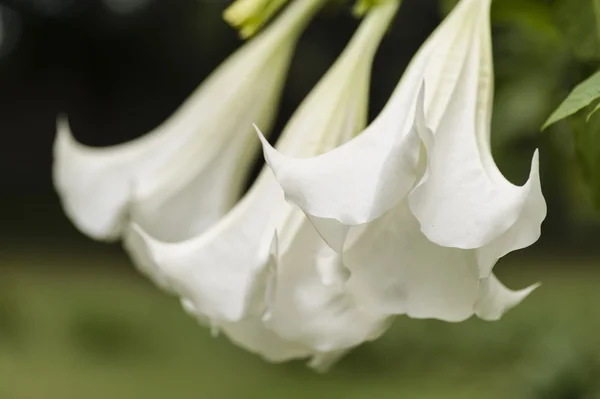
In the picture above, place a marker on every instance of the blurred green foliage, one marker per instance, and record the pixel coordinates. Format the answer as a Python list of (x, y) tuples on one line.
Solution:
[(582, 95), (579, 45), (587, 143), (98, 333), (579, 21)]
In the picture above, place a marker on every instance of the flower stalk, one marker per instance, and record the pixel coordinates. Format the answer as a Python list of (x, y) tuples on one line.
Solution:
[(249, 16)]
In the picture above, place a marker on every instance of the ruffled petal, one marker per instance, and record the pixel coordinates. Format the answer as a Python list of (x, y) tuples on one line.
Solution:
[(217, 271), (354, 183), (220, 270), (182, 176), (95, 184), (495, 299), (525, 231), (464, 201), (397, 270), (197, 187), (358, 182), (309, 300)]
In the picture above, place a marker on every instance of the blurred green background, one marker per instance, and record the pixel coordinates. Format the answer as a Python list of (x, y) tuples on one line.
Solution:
[(77, 321)]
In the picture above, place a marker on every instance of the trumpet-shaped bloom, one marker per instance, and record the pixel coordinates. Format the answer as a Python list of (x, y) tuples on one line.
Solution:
[(180, 178), (263, 275), (416, 204)]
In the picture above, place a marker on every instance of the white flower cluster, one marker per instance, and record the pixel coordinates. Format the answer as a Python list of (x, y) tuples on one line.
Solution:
[(347, 226)]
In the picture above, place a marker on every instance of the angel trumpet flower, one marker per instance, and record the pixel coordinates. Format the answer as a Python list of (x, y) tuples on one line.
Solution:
[(180, 178), (277, 294), (421, 227)]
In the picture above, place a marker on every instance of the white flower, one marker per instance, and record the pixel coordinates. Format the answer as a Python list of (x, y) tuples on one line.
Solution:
[(180, 178), (420, 229), (278, 293)]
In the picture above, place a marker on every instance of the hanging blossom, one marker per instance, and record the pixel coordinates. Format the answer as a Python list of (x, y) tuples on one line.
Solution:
[(415, 204), (262, 274), (183, 176)]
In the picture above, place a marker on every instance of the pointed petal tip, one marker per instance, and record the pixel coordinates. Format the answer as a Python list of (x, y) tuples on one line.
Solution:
[(322, 362), (62, 120), (535, 159), (528, 290), (62, 125), (535, 164), (516, 297), (64, 141), (498, 299), (270, 153), (74, 184), (261, 135), (519, 295), (65, 144)]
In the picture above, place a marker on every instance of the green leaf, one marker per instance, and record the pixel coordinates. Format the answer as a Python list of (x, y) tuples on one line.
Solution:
[(587, 147), (579, 21), (581, 96), (592, 112)]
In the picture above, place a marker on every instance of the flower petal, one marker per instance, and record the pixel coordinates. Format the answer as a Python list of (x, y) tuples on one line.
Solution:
[(217, 271), (464, 201), (197, 187), (338, 189), (182, 176), (226, 274), (358, 182), (397, 270), (495, 299), (525, 231), (322, 362), (304, 307), (95, 184), (252, 335)]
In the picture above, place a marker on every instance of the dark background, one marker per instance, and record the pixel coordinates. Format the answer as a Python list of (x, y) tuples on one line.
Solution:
[(117, 76), (76, 319)]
